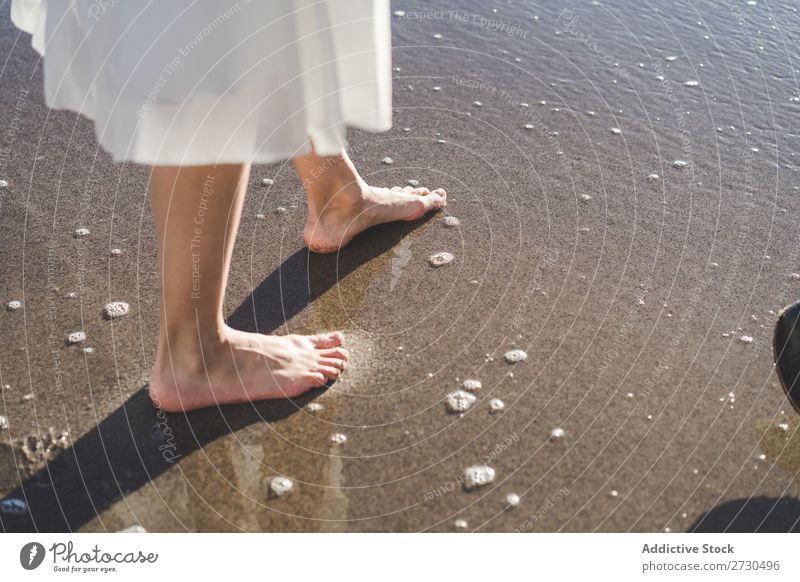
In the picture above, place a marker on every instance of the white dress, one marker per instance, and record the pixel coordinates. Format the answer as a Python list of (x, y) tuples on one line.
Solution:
[(183, 82)]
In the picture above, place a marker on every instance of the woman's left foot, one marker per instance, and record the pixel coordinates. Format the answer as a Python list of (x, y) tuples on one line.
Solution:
[(341, 204)]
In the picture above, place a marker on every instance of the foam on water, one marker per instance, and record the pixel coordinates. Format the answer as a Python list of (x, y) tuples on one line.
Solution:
[(472, 384), (514, 356), (478, 476), (133, 529), (76, 337), (496, 405), (338, 438), (13, 305), (459, 401), (439, 259), (116, 309), (314, 407), (451, 221), (280, 486)]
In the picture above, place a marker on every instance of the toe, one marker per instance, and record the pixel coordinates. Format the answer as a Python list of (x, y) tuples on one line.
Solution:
[(317, 379), (336, 353), (421, 191), (327, 340), (330, 372), (334, 363)]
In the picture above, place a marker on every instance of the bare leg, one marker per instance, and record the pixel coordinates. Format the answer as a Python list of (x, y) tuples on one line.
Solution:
[(341, 204), (200, 360)]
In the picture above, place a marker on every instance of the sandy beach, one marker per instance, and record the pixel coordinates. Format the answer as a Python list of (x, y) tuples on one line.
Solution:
[(624, 180)]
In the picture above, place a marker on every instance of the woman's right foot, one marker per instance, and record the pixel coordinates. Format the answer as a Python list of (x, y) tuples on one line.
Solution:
[(237, 367)]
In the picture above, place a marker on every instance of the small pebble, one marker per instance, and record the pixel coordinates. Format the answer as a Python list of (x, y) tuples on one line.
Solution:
[(3, 183), (557, 434), (387, 160), (314, 407), (746, 339), (512, 499), (3, 422), (691, 83), (280, 486), (451, 221), (614, 493), (477, 104), (496, 405), (472, 384), (680, 164), (652, 177), (338, 438), (616, 130), (116, 252), (515, 356), (76, 337), (478, 476), (267, 181), (116, 309), (439, 259), (459, 401), (81, 232), (460, 524), (13, 305), (412, 183)]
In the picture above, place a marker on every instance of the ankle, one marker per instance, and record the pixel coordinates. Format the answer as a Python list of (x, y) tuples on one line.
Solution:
[(188, 348)]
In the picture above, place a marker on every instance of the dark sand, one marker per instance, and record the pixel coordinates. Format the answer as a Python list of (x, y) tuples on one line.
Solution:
[(708, 250)]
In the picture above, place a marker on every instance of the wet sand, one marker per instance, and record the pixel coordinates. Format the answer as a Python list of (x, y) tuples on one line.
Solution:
[(630, 296)]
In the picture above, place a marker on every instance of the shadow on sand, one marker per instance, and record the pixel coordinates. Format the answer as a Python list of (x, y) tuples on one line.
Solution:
[(128, 449), (751, 515)]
